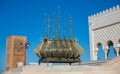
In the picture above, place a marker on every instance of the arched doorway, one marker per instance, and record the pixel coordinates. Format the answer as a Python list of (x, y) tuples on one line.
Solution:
[(100, 55), (111, 51)]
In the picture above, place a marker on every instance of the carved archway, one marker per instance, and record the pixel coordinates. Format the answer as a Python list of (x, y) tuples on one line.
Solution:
[(98, 44), (109, 43), (111, 50), (100, 55)]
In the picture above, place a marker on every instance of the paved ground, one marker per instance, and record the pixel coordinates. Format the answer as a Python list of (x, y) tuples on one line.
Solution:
[(90, 67)]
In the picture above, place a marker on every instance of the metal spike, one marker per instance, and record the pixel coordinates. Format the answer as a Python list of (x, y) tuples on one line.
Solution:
[(70, 27), (58, 23), (48, 28), (64, 28), (45, 25), (53, 27)]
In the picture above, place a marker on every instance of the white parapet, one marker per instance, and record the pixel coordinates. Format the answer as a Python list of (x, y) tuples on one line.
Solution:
[(114, 8)]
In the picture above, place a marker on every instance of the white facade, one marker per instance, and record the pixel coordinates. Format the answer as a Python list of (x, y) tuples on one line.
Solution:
[(104, 29)]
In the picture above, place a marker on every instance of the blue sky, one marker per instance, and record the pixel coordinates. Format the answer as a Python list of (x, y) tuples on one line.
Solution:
[(25, 18)]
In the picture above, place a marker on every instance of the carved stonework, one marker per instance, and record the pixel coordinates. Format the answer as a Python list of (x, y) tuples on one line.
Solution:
[(104, 28), (15, 53)]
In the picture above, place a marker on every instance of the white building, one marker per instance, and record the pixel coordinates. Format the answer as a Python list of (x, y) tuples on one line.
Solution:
[(104, 29)]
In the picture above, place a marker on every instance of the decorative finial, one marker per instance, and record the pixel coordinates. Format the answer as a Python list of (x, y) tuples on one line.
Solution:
[(64, 28), (48, 36), (58, 23), (70, 27), (53, 30), (45, 26)]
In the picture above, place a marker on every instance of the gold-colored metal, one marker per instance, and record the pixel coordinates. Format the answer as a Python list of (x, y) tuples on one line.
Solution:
[(70, 27), (62, 49), (48, 35), (64, 28), (45, 35), (57, 49)]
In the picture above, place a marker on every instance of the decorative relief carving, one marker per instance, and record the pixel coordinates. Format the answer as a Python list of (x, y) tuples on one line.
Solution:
[(104, 26)]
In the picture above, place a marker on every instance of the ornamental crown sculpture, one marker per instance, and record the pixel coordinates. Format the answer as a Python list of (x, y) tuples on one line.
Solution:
[(56, 49)]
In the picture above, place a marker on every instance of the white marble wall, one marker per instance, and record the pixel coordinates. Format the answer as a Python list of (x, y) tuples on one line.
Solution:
[(104, 27)]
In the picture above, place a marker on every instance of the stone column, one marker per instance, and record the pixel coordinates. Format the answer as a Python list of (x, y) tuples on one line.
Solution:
[(117, 48), (96, 53), (117, 51), (106, 53), (106, 48)]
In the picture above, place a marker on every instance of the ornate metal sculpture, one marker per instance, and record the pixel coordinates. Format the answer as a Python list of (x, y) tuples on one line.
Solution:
[(57, 49)]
